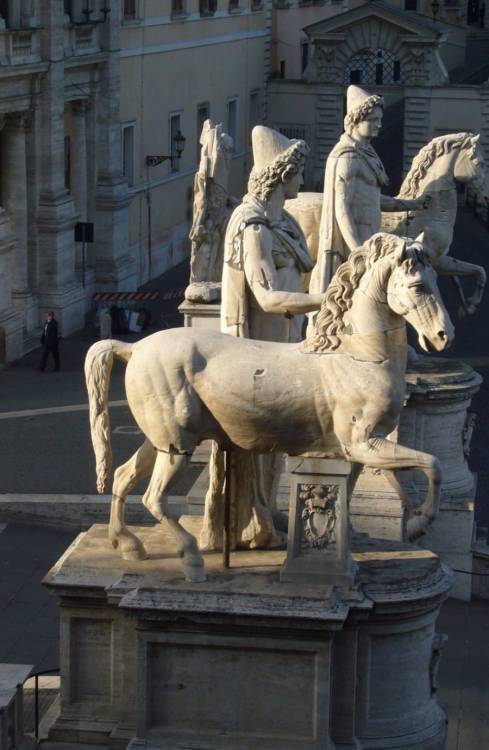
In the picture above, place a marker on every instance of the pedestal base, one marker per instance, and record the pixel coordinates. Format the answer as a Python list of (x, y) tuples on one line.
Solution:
[(244, 661)]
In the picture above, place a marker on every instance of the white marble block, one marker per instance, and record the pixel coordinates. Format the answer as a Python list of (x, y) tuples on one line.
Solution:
[(319, 547)]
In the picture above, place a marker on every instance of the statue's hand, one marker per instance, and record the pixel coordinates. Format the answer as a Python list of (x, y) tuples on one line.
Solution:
[(423, 202)]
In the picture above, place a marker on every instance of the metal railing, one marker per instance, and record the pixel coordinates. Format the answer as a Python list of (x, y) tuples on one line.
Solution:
[(36, 675)]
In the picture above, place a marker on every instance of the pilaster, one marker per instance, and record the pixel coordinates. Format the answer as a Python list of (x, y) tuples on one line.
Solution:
[(329, 126), (417, 130), (114, 267), (10, 317), (58, 288)]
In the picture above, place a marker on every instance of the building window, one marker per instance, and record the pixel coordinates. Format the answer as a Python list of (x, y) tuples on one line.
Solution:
[(129, 10), (257, 5), (207, 7), (203, 112), (411, 5), (232, 121), (233, 6), (304, 55), (10, 12), (174, 129), (373, 67), (67, 146), (178, 7), (128, 153)]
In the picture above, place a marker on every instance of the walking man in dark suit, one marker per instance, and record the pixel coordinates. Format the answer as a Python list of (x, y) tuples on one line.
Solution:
[(49, 341)]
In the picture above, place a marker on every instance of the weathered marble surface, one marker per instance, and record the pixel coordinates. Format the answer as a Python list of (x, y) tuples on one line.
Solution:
[(149, 659), (340, 392), (212, 208), (12, 735)]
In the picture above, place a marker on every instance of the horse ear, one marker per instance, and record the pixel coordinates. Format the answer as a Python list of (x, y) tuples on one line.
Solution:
[(475, 139), (420, 238), (402, 250)]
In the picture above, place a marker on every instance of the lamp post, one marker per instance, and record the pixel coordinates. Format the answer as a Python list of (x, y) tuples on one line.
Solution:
[(153, 160), (435, 8)]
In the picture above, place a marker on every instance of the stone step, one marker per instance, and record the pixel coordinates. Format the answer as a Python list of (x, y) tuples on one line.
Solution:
[(31, 340)]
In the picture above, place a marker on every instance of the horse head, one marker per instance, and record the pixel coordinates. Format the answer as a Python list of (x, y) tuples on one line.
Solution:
[(470, 166), (412, 292)]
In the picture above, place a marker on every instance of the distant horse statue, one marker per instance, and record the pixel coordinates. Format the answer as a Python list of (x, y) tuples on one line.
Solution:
[(436, 169), (340, 391)]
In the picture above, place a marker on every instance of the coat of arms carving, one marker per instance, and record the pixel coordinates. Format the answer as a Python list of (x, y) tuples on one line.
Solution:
[(319, 513)]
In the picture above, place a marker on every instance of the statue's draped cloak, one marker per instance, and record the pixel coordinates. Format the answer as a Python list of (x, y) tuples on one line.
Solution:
[(256, 476), (333, 250), (287, 240)]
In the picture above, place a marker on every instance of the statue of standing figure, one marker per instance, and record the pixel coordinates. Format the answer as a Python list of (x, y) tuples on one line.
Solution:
[(265, 257), (354, 178), (212, 208)]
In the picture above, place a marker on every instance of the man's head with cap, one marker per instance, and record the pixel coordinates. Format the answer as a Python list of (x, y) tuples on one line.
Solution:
[(362, 107), (276, 159)]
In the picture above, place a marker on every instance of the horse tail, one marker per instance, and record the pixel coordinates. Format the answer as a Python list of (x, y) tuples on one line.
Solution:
[(98, 366)]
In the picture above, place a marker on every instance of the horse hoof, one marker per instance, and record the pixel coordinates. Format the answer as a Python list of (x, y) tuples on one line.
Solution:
[(114, 542), (133, 555), (195, 575), (194, 570)]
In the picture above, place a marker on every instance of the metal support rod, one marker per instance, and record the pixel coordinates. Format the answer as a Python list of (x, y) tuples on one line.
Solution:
[(36, 705), (226, 532)]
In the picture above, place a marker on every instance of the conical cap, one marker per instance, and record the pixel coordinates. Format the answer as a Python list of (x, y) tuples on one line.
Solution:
[(355, 97), (267, 145)]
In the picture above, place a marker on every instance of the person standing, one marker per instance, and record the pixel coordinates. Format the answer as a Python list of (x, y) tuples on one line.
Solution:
[(49, 341)]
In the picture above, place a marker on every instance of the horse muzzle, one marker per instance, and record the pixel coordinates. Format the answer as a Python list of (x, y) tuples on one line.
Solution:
[(440, 341)]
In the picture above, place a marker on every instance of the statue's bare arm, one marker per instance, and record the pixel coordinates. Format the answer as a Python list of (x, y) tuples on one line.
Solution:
[(262, 278), (389, 203), (345, 190)]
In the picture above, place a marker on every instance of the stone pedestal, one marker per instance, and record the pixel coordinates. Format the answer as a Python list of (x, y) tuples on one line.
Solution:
[(245, 661), (200, 315), (319, 545), (12, 735)]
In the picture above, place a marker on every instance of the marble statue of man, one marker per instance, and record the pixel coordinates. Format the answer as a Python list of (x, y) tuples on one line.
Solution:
[(353, 181), (265, 257), (212, 208)]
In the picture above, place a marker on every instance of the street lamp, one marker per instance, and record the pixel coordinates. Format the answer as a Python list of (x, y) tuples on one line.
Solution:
[(435, 7), (179, 141), (153, 160)]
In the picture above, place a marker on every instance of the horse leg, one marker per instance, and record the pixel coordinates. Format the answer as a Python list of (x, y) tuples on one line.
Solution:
[(448, 266), (166, 471), (381, 453), (126, 478)]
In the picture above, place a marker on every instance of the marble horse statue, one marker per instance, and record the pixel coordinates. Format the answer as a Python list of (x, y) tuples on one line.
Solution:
[(435, 170), (339, 391)]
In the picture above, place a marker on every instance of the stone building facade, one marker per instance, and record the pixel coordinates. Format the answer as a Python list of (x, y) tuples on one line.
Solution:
[(183, 61), (415, 63), (60, 163), (89, 90)]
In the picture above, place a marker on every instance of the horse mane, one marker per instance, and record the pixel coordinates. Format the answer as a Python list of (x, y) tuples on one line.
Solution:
[(338, 297), (439, 146)]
